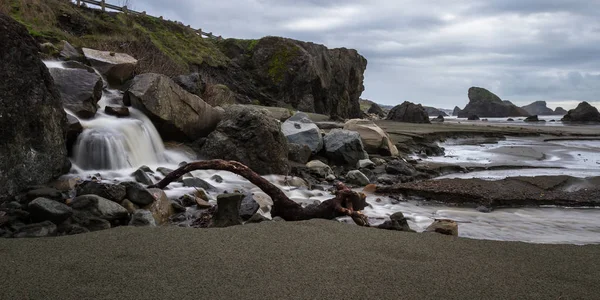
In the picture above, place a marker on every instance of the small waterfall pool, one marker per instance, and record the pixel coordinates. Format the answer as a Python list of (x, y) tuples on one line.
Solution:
[(115, 147)]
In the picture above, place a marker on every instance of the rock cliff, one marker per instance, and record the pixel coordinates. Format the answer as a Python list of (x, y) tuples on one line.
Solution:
[(486, 104), (538, 108)]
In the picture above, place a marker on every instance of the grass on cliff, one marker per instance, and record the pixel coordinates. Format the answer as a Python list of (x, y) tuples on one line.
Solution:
[(160, 46)]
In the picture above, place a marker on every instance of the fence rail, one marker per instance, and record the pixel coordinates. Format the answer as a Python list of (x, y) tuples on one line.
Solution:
[(103, 5)]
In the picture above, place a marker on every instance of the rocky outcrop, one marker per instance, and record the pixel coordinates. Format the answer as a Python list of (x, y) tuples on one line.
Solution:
[(560, 111), (80, 90), (584, 112), (408, 112), (374, 139), (538, 108), (375, 109), (32, 120), (284, 72), (117, 67), (250, 136), (344, 147), (456, 111), (299, 129), (177, 114), (486, 104), (432, 111)]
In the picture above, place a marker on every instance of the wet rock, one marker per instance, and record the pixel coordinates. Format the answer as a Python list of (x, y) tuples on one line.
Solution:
[(138, 194), (32, 122), (197, 183), (164, 171), (142, 217), (74, 128), (114, 192), (374, 139), (299, 129), (299, 153), (399, 167), (161, 208), (142, 177), (319, 168), (117, 111), (201, 203), (397, 222), (35, 230), (365, 164), (176, 113), (583, 113), (248, 207), (228, 210), (408, 112), (43, 209), (46, 192), (80, 90), (69, 52), (532, 119), (443, 226), (99, 207), (117, 67), (217, 178), (252, 137), (344, 147), (357, 177), (129, 206), (483, 209), (177, 208), (510, 120)]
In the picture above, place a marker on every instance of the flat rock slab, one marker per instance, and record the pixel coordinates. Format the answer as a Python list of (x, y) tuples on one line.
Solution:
[(510, 192)]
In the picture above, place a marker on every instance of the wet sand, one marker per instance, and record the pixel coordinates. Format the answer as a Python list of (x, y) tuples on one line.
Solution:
[(291, 260)]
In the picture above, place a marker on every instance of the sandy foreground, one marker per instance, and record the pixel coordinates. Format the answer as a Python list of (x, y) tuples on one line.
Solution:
[(291, 260)]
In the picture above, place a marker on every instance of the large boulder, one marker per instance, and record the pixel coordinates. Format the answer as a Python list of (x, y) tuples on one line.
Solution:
[(584, 112), (44, 209), (456, 111), (538, 108), (80, 90), (97, 206), (408, 112), (299, 129), (177, 114), (162, 208), (374, 139), (486, 104), (289, 73), (32, 120), (250, 136), (114, 192), (117, 67), (344, 147)]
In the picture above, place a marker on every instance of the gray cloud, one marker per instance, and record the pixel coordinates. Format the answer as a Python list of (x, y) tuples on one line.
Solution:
[(431, 51)]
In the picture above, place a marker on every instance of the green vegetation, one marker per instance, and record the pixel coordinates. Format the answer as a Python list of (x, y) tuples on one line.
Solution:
[(160, 46), (280, 61)]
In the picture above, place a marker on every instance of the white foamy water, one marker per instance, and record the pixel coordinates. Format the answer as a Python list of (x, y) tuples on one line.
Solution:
[(115, 147)]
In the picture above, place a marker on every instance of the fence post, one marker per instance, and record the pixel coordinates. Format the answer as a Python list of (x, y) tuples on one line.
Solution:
[(78, 3), (103, 5), (125, 9)]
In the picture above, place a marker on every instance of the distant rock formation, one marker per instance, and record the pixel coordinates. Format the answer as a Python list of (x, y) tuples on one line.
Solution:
[(432, 111), (560, 111), (408, 112), (539, 108), (484, 103), (376, 110), (583, 113), (456, 111)]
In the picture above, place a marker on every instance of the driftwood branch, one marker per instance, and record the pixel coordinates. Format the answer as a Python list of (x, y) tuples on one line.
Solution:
[(345, 203)]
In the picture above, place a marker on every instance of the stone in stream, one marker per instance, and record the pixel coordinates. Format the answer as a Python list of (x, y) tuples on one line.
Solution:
[(399, 167), (248, 207), (69, 52), (42, 229), (43, 209), (32, 120), (357, 177), (228, 210), (80, 90), (374, 139), (164, 171), (161, 208), (74, 128), (142, 177), (319, 168), (299, 153), (197, 183), (129, 206), (443, 226), (397, 222), (299, 129), (138, 194), (344, 147), (142, 217), (114, 192), (117, 67), (117, 111), (97, 206)]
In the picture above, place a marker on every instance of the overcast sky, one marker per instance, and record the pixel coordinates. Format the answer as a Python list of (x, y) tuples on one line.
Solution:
[(430, 51)]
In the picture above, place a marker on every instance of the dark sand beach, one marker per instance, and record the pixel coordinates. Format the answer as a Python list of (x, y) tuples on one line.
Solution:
[(291, 260)]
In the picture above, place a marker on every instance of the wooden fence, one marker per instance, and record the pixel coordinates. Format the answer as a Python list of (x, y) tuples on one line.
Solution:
[(103, 5)]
